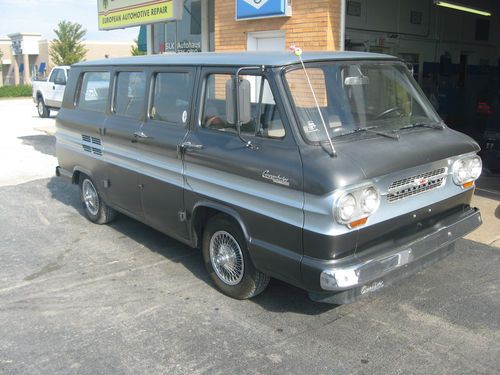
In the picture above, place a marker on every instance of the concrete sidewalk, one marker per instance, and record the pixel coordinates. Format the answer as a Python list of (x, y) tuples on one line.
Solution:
[(19, 138), (489, 232)]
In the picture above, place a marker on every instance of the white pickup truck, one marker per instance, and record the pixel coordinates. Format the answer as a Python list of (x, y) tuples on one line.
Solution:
[(48, 94)]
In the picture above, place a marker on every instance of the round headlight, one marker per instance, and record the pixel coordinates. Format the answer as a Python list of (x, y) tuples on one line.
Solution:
[(466, 170), (370, 200), (476, 167), (346, 207)]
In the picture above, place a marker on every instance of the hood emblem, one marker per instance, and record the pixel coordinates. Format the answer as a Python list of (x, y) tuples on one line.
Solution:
[(277, 179), (420, 182)]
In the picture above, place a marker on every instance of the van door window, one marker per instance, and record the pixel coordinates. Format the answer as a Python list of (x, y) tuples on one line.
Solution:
[(172, 96), (130, 93), (266, 120), (94, 90)]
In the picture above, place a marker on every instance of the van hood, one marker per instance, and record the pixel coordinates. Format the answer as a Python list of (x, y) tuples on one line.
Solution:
[(363, 157)]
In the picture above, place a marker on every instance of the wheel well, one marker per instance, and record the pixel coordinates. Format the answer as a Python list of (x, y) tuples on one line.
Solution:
[(202, 215), (39, 95)]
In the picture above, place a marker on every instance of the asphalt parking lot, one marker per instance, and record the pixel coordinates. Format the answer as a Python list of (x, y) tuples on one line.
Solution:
[(125, 299)]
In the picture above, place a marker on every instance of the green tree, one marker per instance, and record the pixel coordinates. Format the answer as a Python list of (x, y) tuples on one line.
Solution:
[(1, 68), (67, 48), (134, 50)]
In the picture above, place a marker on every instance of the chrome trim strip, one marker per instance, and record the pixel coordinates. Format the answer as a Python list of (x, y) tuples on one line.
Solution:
[(276, 201)]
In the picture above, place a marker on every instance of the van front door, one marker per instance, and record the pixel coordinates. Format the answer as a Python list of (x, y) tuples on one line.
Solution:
[(161, 178), (262, 182)]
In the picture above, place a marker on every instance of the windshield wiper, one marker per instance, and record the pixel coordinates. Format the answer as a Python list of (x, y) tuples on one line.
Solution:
[(423, 125), (371, 130)]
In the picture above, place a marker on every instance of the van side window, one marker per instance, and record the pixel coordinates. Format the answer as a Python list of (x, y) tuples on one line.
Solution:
[(172, 96), (130, 93), (94, 90), (266, 120)]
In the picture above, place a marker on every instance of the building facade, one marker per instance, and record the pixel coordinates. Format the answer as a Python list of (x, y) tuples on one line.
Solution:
[(25, 56), (250, 25)]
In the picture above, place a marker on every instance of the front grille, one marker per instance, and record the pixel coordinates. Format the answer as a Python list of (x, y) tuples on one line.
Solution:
[(417, 184)]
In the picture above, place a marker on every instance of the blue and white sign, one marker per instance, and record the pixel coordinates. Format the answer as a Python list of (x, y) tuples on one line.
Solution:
[(252, 9)]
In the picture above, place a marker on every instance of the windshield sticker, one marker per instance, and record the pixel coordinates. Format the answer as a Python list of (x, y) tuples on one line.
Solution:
[(277, 179), (311, 127)]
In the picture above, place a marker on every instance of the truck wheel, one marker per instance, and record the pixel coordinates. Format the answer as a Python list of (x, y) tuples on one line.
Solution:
[(43, 111), (95, 209), (228, 262)]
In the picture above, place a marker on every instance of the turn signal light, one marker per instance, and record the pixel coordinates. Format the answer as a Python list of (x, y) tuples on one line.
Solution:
[(468, 184), (358, 223)]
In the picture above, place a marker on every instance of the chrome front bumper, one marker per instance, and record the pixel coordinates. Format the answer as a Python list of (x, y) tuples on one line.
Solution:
[(364, 270)]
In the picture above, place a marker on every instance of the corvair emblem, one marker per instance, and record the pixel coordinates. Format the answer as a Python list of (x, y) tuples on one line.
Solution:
[(373, 287), (277, 179), (257, 4)]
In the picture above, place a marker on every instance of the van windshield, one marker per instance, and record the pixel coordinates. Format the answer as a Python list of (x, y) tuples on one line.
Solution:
[(357, 96)]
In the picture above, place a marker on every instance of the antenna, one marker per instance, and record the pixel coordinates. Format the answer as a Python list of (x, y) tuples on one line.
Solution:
[(298, 52)]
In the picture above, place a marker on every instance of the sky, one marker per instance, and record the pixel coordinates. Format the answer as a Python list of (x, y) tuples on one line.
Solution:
[(42, 16)]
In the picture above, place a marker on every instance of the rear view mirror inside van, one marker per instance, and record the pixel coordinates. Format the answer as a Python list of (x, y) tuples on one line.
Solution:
[(244, 105), (356, 81)]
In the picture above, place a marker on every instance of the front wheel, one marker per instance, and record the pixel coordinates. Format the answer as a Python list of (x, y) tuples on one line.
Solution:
[(228, 262), (43, 111), (96, 210)]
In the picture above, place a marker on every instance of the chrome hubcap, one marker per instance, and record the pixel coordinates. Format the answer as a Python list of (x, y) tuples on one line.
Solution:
[(226, 258), (90, 197), (40, 107)]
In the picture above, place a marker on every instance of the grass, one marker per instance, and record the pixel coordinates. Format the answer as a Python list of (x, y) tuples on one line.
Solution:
[(15, 91)]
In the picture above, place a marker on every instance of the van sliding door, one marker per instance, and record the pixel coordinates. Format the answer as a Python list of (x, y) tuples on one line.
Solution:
[(120, 141), (162, 171)]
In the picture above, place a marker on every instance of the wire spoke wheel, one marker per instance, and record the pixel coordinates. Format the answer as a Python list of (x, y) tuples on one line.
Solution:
[(90, 197), (226, 258)]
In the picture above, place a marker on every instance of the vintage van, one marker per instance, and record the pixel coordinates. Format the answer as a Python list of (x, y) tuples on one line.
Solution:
[(329, 171)]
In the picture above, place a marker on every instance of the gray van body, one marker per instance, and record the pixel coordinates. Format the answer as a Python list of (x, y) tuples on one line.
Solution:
[(281, 191)]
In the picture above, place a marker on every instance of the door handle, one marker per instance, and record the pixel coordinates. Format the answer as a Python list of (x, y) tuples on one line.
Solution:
[(141, 134), (53, 87), (190, 146)]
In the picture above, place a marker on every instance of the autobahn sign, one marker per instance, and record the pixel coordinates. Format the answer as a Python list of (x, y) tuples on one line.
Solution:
[(252, 9)]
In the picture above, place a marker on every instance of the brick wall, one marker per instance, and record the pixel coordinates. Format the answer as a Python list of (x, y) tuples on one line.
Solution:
[(315, 25)]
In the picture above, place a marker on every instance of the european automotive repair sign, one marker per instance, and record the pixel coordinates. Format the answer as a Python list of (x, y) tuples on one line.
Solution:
[(251, 9), (118, 14)]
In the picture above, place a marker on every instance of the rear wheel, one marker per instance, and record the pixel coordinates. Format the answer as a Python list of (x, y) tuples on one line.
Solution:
[(95, 209), (228, 262), (43, 111)]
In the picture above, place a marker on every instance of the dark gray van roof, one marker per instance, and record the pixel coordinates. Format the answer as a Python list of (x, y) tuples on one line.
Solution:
[(236, 58)]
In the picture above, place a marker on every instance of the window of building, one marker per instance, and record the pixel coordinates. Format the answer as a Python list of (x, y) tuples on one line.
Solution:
[(94, 90), (130, 94), (172, 97), (266, 120), (482, 29), (194, 33)]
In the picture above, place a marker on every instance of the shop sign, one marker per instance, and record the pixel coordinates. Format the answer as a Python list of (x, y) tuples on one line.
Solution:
[(119, 14), (252, 9)]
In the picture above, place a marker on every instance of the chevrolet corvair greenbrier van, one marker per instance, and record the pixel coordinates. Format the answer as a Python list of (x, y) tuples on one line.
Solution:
[(330, 171)]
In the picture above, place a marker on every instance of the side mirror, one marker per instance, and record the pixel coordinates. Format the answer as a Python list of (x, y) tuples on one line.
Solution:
[(241, 114), (411, 68), (60, 81)]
